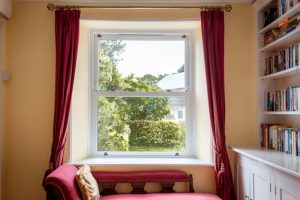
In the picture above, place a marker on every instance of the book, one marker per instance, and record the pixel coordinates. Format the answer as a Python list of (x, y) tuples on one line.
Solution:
[(296, 52), (283, 100), (282, 60), (280, 138), (298, 143), (264, 138)]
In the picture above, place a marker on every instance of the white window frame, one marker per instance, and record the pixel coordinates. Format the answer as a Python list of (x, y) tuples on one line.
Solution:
[(189, 93)]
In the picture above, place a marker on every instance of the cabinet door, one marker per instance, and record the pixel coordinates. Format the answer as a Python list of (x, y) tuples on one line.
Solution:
[(243, 182), (260, 182), (287, 187)]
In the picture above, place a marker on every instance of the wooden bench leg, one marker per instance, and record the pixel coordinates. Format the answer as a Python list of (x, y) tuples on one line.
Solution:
[(108, 188), (167, 187), (138, 188)]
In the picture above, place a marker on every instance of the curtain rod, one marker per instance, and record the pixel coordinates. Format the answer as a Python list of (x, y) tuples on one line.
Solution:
[(52, 7)]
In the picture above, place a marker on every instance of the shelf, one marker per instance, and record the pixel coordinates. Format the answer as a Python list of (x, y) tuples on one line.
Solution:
[(288, 39), (275, 23), (285, 73), (280, 113)]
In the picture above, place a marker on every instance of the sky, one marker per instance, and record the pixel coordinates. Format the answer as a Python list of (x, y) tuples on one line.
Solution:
[(151, 57)]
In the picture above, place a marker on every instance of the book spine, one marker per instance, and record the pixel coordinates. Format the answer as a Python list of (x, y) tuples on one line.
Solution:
[(289, 141), (298, 150)]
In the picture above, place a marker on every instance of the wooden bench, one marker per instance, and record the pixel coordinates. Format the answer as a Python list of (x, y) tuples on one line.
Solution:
[(167, 179), (61, 185)]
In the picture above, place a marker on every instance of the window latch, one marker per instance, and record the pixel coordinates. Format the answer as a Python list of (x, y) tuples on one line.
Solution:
[(176, 154), (105, 154)]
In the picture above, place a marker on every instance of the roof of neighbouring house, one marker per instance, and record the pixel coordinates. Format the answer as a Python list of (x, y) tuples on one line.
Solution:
[(172, 81)]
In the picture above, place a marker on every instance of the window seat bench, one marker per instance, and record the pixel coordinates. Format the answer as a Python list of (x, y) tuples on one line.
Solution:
[(61, 185)]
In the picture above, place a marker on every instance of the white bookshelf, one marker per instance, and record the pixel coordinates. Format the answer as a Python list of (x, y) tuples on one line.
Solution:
[(280, 113), (275, 23), (279, 80), (290, 38), (282, 74)]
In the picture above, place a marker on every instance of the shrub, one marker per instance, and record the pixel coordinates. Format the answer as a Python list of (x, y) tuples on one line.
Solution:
[(112, 131), (156, 133)]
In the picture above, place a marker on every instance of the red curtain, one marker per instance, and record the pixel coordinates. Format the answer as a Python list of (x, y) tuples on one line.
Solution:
[(212, 24), (66, 38)]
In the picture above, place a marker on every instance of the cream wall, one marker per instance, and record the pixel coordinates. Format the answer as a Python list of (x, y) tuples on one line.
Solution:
[(31, 61), (3, 98)]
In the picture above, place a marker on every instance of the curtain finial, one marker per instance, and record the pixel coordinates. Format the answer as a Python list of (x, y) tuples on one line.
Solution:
[(228, 8)]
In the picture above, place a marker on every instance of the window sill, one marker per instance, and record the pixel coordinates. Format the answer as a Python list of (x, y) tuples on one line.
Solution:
[(144, 161)]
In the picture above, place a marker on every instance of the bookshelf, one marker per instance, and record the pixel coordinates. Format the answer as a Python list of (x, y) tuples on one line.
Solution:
[(293, 11), (280, 113), (285, 73), (292, 37), (278, 69)]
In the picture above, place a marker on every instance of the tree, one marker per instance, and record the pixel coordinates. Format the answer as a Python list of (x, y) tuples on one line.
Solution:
[(149, 79), (115, 113), (112, 131), (109, 57)]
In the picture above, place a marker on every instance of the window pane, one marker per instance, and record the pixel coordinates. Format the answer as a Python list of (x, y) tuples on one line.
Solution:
[(141, 124), (141, 65)]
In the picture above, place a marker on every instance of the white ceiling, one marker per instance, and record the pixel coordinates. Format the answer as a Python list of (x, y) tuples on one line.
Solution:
[(147, 1)]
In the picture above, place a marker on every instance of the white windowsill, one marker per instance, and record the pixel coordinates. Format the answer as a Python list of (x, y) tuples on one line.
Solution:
[(143, 161)]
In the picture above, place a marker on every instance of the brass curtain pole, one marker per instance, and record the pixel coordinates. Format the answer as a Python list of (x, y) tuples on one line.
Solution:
[(52, 7)]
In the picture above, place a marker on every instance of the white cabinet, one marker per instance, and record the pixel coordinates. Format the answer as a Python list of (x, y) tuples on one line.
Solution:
[(287, 187), (260, 179), (253, 180), (243, 181), (257, 180)]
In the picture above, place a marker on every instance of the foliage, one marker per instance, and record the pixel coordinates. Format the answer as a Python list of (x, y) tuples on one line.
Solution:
[(131, 121), (156, 133), (147, 108), (109, 53), (112, 131)]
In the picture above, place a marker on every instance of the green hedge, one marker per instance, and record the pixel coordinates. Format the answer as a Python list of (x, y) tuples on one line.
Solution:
[(156, 133)]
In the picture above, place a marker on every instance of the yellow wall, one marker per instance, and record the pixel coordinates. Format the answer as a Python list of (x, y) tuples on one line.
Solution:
[(3, 99), (31, 62)]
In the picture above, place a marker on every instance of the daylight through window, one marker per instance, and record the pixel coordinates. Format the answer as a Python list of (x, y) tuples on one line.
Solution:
[(141, 94)]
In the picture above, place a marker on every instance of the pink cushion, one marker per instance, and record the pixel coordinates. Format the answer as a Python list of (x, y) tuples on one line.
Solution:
[(170, 196), (64, 178), (154, 176)]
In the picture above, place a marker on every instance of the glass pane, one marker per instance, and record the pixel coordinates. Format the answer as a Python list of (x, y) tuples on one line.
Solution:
[(141, 124), (141, 65)]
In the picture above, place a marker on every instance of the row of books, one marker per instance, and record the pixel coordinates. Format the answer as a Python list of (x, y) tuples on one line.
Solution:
[(281, 138), (285, 5), (282, 60), (283, 100), (284, 27)]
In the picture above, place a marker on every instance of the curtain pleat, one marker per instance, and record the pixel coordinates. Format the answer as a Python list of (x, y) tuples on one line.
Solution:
[(66, 38), (212, 24)]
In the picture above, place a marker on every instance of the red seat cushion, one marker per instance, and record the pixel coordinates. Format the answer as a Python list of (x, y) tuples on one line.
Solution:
[(164, 196)]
